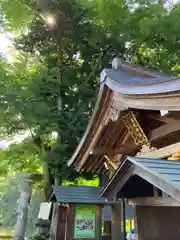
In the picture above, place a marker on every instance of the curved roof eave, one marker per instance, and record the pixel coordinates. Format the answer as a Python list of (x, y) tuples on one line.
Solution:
[(119, 81), (127, 94), (157, 88), (93, 121)]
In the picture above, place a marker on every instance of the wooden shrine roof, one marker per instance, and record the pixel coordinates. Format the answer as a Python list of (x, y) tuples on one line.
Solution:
[(136, 84), (79, 194), (127, 88), (163, 174)]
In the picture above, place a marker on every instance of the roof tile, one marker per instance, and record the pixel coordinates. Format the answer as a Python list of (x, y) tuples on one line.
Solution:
[(79, 194)]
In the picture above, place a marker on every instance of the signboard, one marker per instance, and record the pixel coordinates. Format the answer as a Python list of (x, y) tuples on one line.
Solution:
[(45, 209), (85, 217)]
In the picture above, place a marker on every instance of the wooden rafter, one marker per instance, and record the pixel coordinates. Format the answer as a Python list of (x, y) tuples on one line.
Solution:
[(163, 119), (164, 131), (122, 149), (162, 152), (154, 201), (116, 130)]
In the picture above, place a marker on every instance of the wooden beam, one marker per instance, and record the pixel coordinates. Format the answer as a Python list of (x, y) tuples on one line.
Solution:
[(98, 233), (122, 149), (154, 201), (112, 164), (113, 192), (105, 150), (163, 131), (165, 119), (162, 152)]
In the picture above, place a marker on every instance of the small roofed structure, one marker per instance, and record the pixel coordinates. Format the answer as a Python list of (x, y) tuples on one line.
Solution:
[(137, 111), (78, 212), (134, 180), (79, 194)]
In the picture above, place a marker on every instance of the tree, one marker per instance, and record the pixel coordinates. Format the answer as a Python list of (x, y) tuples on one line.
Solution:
[(149, 29), (15, 15), (51, 87), (20, 157)]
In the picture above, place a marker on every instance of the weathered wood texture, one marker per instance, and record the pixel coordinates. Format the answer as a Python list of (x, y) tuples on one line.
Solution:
[(154, 201), (104, 178), (70, 223), (117, 218), (61, 224), (164, 131), (58, 224), (158, 223), (53, 222), (162, 152)]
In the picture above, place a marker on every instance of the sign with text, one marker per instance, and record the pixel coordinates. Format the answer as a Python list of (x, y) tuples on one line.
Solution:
[(85, 217)]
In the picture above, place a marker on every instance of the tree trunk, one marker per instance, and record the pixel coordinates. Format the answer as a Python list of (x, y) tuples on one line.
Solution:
[(47, 180), (43, 150), (22, 211), (57, 181)]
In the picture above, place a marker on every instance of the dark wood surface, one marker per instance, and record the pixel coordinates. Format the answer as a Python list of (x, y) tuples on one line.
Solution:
[(158, 223)]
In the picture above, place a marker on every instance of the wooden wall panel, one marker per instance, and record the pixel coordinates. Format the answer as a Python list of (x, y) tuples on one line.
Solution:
[(61, 223), (53, 229), (70, 223), (158, 223)]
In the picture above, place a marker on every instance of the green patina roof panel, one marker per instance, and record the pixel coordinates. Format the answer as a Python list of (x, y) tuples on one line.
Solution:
[(163, 174), (165, 169), (124, 77), (79, 194)]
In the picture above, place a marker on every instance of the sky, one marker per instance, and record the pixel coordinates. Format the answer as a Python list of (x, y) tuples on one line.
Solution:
[(16, 139), (4, 43)]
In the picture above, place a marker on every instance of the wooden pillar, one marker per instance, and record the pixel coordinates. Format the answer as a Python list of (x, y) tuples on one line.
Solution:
[(104, 178), (117, 213), (136, 223), (70, 222)]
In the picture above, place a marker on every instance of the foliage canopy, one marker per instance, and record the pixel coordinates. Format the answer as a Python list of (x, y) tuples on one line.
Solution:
[(50, 88)]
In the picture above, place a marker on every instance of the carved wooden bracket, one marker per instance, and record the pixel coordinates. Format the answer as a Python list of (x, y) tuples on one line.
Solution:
[(135, 129), (115, 110)]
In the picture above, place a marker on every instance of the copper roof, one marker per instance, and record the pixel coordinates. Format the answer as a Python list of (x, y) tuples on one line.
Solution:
[(121, 76), (163, 174), (79, 194), (131, 87)]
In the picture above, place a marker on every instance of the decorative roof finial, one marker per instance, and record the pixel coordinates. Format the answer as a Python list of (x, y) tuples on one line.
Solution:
[(116, 63)]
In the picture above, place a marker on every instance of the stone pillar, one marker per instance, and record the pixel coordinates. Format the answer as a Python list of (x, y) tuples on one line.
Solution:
[(43, 228), (22, 210)]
